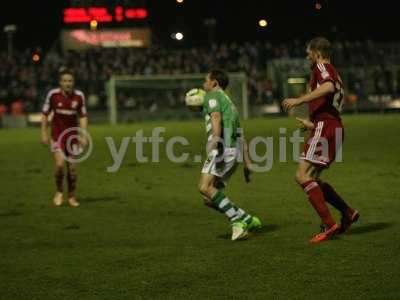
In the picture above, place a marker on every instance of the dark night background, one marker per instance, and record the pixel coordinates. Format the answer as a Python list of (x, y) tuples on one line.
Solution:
[(39, 22)]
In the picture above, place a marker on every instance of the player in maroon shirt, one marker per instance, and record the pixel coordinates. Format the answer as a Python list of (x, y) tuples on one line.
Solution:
[(66, 104), (324, 102)]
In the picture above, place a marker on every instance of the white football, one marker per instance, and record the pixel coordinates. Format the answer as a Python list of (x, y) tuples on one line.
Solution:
[(195, 97)]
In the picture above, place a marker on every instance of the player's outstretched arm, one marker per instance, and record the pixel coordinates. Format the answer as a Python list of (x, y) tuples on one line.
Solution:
[(44, 130), (323, 90), (305, 124)]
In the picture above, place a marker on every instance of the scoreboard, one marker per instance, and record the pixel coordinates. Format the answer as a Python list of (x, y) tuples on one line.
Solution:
[(114, 26), (117, 15)]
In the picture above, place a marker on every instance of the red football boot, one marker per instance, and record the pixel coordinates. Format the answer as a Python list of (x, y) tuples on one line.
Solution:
[(326, 234)]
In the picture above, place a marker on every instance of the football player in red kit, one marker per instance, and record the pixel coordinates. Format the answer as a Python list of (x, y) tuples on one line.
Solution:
[(66, 104), (324, 102)]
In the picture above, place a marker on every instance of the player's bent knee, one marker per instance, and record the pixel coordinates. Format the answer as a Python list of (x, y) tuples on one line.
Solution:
[(207, 201), (204, 190), (301, 178)]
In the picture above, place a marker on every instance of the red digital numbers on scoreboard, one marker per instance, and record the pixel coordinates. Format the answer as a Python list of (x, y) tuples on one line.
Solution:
[(139, 13), (102, 15), (119, 14)]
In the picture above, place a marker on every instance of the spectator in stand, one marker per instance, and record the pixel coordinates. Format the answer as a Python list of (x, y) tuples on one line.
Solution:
[(3, 110), (17, 108)]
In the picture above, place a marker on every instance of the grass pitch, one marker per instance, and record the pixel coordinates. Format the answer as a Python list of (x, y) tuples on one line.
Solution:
[(143, 232)]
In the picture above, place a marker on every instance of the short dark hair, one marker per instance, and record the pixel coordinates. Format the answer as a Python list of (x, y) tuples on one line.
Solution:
[(321, 45), (64, 71), (221, 77)]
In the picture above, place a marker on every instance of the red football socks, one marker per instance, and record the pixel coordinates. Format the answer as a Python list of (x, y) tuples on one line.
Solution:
[(317, 200)]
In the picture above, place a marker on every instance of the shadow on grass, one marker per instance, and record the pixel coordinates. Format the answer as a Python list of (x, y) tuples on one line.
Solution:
[(369, 228), (265, 229), (72, 227), (11, 213), (99, 199)]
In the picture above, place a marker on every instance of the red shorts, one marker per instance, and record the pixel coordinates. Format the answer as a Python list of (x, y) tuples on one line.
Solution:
[(325, 143), (69, 149)]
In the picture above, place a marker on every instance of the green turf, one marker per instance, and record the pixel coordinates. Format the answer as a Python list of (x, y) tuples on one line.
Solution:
[(143, 231)]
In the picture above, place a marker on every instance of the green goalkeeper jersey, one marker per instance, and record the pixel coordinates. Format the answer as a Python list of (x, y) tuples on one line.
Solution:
[(219, 101)]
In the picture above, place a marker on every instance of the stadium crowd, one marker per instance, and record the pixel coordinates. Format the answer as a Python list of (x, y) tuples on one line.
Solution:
[(27, 81)]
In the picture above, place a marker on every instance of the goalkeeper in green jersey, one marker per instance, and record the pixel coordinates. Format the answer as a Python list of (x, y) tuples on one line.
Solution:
[(225, 146)]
